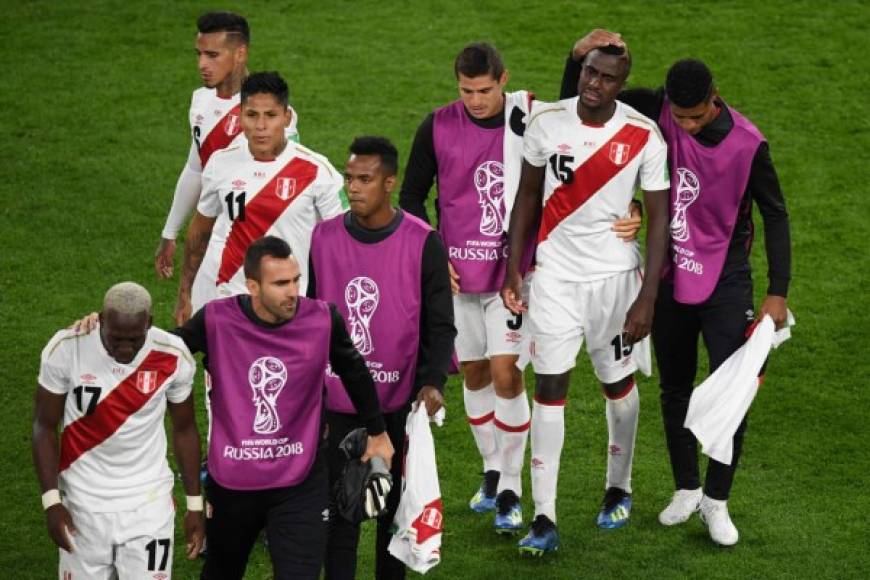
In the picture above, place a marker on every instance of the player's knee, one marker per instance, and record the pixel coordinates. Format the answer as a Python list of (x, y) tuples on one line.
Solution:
[(476, 374), (506, 378), (618, 389), (550, 388)]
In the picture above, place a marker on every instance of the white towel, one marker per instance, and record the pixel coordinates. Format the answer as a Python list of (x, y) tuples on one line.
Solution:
[(719, 404), (419, 517), (513, 146)]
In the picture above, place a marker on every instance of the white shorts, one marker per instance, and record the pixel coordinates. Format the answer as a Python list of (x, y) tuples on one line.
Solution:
[(134, 544), (562, 314), (485, 328)]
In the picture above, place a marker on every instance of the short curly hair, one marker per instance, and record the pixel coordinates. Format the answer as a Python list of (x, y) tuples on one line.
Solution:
[(689, 83)]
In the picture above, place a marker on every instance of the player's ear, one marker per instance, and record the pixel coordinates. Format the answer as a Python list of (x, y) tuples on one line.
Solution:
[(505, 76), (253, 286), (242, 54), (288, 116), (150, 320), (390, 183)]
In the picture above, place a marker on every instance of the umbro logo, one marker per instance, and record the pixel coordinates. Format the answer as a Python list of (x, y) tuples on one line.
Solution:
[(88, 379), (238, 184), (563, 148)]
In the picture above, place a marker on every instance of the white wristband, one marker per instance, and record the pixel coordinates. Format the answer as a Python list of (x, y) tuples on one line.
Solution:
[(50, 498), (194, 503)]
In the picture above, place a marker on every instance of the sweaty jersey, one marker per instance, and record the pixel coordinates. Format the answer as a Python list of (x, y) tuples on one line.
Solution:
[(592, 173), (284, 197), (113, 444), (215, 123)]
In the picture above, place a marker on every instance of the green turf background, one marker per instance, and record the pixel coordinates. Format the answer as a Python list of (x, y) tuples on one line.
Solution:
[(93, 106)]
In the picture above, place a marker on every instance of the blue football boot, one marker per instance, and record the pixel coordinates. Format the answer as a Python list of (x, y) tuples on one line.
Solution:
[(615, 509), (508, 513), (484, 500), (542, 538)]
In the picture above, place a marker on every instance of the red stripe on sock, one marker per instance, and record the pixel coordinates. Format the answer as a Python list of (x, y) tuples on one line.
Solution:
[(513, 428), (559, 403), (481, 420)]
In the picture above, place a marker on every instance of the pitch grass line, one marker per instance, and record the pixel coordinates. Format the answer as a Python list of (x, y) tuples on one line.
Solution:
[(94, 133)]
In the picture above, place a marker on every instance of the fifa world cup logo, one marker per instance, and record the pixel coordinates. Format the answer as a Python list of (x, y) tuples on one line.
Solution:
[(688, 189), (361, 296), (489, 182), (267, 377)]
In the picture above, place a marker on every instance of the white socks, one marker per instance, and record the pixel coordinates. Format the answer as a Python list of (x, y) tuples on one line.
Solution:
[(480, 410), (548, 436), (511, 433), (622, 413)]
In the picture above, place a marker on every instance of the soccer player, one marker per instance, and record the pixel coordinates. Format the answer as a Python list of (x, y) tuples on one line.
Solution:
[(266, 184), (473, 147), (110, 390), (387, 272), (222, 57), (583, 158), (719, 163)]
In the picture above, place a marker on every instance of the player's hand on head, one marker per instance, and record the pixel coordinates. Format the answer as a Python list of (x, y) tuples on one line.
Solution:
[(638, 320), (182, 309), (776, 307), (163, 258), (379, 445), (86, 324), (60, 526), (432, 398), (454, 279), (194, 533), (595, 39), (512, 292)]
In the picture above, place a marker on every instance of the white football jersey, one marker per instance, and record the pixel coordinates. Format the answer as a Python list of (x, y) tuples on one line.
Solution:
[(215, 123), (113, 444), (285, 197), (591, 176)]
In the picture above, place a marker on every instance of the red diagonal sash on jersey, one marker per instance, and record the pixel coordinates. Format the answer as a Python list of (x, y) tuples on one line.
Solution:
[(262, 211), (591, 176), (127, 398), (222, 134)]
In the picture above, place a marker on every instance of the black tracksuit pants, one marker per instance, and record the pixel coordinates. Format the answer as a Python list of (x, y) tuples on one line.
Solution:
[(343, 536), (722, 321)]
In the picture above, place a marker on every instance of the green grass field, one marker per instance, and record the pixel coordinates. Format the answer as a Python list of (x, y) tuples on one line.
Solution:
[(94, 99)]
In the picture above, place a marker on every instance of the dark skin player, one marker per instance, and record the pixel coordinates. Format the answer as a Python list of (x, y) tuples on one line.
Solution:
[(123, 336), (601, 79)]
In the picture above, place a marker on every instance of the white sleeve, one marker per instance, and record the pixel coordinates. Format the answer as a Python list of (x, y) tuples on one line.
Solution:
[(54, 366), (654, 165), (533, 138), (187, 191), (209, 201), (330, 198), (182, 384)]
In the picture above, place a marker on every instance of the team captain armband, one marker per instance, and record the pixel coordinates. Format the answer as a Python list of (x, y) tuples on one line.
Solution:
[(50, 498), (194, 503)]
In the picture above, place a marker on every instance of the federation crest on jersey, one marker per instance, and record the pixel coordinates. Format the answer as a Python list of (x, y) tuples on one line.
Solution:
[(619, 152), (285, 188), (146, 381), (231, 125)]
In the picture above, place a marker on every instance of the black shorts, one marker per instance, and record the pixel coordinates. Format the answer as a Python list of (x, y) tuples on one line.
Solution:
[(295, 519)]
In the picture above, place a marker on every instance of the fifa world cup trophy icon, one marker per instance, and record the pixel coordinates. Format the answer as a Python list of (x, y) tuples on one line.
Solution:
[(361, 296), (267, 377), (688, 189), (489, 181)]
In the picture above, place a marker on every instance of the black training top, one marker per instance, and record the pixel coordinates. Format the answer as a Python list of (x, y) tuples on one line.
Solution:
[(436, 317), (346, 362), (763, 187)]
